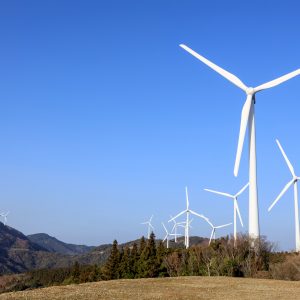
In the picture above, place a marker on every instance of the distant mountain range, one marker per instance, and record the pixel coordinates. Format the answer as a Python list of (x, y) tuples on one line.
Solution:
[(53, 245), (20, 253)]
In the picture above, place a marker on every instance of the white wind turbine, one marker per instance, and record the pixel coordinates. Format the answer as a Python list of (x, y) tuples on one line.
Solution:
[(236, 209), (294, 182), (187, 211), (4, 215), (168, 235), (247, 120), (150, 227), (175, 226), (213, 230)]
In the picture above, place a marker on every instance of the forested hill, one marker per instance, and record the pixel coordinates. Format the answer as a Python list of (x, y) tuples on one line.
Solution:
[(54, 245)]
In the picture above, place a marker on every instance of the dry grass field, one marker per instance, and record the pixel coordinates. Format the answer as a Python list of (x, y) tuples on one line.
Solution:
[(169, 288)]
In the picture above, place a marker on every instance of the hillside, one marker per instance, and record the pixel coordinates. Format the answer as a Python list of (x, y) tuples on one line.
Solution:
[(169, 288), (54, 245), (19, 254)]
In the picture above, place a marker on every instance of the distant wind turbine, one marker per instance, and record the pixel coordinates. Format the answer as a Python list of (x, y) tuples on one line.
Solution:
[(294, 182), (187, 211), (236, 209), (168, 235), (213, 231), (150, 227), (4, 215), (247, 120)]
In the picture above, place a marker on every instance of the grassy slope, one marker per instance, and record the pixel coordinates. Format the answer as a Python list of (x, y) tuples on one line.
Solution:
[(169, 288)]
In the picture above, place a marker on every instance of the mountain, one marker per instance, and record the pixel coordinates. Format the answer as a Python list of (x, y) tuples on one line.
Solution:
[(54, 245), (19, 253)]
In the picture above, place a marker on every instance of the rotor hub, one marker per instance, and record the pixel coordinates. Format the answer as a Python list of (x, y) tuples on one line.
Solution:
[(250, 91)]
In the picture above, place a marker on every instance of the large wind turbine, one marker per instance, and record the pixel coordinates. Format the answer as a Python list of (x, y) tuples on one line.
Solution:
[(294, 182), (247, 120), (149, 226), (213, 229), (187, 211), (235, 206)]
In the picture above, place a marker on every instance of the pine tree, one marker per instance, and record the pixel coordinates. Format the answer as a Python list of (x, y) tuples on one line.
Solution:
[(133, 260), (76, 272), (111, 269), (147, 266), (125, 271), (160, 256), (142, 245)]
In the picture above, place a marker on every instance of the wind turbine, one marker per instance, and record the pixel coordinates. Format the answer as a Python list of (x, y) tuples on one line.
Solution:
[(213, 231), (236, 209), (187, 211), (294, 182), (4, 215), (168, 235), (175, 226), (247, 120), (149, 226)]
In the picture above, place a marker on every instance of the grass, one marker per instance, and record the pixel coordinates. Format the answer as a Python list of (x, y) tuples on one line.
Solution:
[(169, 288)]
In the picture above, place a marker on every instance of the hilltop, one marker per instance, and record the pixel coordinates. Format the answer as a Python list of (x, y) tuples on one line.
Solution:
[(183, 288)]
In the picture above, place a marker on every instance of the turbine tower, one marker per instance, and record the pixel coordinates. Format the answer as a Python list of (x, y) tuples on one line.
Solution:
[(294, 182), (247, 120), (183, 224), (213, 230), (168, 235), (149, 226), (187, 211), (236, 209)]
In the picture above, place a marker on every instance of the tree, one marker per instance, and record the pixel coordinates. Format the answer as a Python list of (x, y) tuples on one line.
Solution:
[(147, 263), (125, 270), (111, 269)]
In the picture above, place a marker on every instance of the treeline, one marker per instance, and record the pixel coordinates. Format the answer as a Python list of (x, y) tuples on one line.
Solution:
[(149, 259), (222, 258)]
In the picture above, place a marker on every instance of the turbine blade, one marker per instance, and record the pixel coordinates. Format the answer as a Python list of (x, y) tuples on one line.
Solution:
[(243, 127), (277, 81), (181, 213), (225, 225), (286, 158), (174, 226), (242, 190), (232, 78), (164, 227), (151, 218), (281, 194), (187, 198), (198, 215), (238, 211), (219, 193), (165, 238)]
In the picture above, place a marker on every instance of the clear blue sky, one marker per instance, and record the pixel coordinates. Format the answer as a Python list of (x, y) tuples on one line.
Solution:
[(104, 119)]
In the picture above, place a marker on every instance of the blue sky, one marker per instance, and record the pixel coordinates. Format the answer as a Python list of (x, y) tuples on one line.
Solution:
[(104, 119)]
